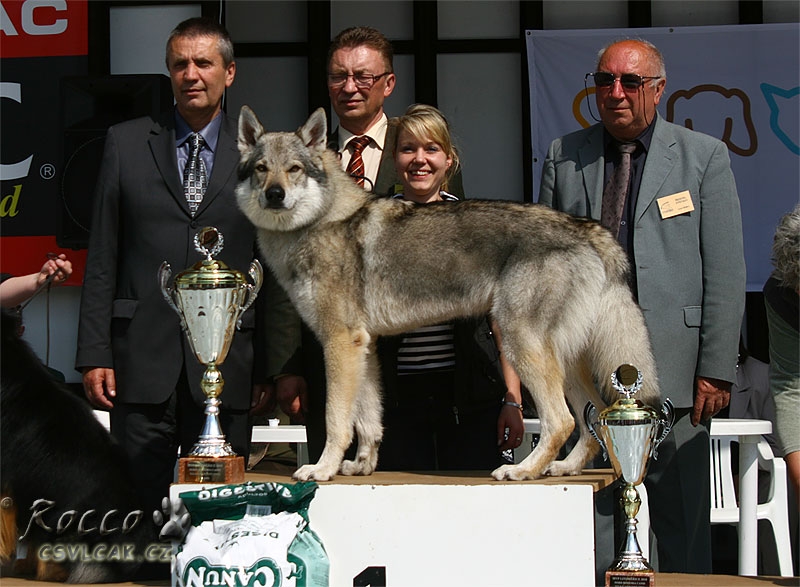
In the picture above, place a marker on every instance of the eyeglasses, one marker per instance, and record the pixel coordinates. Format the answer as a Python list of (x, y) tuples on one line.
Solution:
[(362, 81), (629, 81)]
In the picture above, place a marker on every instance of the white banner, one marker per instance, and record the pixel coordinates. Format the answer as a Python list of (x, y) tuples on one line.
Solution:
[(740, 84)]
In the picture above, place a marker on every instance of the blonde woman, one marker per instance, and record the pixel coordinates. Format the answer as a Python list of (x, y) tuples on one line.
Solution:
[(451, 402)]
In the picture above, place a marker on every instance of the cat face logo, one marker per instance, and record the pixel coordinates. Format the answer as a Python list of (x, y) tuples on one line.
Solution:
[(783, 109)]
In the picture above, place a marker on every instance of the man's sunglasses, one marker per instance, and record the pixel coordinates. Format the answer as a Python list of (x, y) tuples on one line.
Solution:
[(629, 81)]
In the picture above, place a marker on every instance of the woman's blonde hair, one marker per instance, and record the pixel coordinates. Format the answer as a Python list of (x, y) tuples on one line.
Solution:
[(424, 122)]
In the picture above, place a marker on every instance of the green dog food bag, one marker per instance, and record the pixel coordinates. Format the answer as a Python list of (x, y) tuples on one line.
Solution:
[(251, 534)]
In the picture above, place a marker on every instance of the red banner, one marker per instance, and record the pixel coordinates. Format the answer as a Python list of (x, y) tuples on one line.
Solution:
[(41, 42), (43, 28), (20, 255)]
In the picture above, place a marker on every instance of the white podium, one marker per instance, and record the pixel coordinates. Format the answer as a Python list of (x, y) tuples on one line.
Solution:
[(403, 529)]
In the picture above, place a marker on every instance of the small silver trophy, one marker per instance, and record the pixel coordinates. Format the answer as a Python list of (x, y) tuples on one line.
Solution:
[(629, 433), (210, 299)]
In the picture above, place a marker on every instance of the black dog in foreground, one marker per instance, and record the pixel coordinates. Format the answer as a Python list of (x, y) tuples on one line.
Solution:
[(66, 495)]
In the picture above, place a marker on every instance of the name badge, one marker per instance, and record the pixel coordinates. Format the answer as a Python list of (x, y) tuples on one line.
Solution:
[(675, 204)]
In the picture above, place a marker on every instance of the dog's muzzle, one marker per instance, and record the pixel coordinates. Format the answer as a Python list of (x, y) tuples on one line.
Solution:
[(272, 197)]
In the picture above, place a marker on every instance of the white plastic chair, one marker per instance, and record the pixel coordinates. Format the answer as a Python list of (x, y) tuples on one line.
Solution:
[(284, 433), (724, 505)]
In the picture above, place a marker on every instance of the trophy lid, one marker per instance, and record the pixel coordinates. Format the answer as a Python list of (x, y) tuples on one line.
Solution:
[(209, 273), (627, 380)]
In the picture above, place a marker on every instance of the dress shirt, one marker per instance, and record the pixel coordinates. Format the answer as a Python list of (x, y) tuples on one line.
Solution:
[(210, 134), (371, 154)]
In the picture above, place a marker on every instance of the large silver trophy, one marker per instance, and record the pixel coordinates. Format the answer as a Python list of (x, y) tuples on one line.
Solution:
[(210, 299), (629, 433)]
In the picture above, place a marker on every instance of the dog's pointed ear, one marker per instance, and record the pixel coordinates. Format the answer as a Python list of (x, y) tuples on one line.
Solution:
[(314, 132), (250, 130)]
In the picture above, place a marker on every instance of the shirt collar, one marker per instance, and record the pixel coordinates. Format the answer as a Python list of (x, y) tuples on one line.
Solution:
[(377, 132), (643, 139), (210, 132)]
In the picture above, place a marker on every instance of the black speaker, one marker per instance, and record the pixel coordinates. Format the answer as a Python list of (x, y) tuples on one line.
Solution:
[(89, 105)]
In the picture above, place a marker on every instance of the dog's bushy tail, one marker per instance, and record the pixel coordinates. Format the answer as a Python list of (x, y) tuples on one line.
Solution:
[(620, 334)]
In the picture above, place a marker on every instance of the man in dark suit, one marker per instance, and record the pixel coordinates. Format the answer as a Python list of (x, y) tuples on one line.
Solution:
[(134, 357), (681, 226)]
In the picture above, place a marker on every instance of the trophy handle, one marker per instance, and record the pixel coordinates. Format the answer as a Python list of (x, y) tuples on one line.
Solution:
[(256, 273), (664, 424), (590, 417), (164, 273)]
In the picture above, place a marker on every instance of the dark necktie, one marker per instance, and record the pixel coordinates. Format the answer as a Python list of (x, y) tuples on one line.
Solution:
[(355, 168), (616, 190), (194, 174)]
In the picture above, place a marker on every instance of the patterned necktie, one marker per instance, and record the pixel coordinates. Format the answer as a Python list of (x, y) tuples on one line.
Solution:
[(616, 190), (194, 174), (355, 168)]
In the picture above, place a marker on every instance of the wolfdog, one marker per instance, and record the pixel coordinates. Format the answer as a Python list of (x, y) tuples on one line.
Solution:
[(358, 267)]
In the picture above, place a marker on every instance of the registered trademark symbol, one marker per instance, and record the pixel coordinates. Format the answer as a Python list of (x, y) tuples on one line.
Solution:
[(47, 171)]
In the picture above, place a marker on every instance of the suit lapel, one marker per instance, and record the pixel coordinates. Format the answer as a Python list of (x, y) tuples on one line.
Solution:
[(333, 140), (225, 161), (660, 161), (162, 147), (387, 174), (592, 165)]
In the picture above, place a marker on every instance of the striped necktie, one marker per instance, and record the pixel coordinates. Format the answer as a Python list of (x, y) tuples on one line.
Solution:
[(194, 174), (355, 168)]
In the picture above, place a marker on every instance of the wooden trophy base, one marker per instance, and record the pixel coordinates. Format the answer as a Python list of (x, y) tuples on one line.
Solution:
[(223, 470), (630, 578)]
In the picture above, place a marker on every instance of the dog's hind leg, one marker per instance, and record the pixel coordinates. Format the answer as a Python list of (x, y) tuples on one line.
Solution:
[(543, 375), (345, 367), (580, 389), (368, 420)]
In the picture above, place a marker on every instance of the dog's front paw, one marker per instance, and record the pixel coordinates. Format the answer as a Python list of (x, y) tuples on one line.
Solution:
[(560, 468), (512, 473), (313, 473), (357, 467)]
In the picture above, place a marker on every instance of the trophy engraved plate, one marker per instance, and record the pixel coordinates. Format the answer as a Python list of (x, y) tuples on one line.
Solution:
[(224, 470), (210, 299), (629, 433), (630, 578)]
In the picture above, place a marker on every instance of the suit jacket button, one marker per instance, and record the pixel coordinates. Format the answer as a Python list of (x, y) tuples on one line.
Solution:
[(193, 224)]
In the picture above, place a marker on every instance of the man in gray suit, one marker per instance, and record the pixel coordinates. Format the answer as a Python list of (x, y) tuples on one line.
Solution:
[(134, 357), (681, 226)]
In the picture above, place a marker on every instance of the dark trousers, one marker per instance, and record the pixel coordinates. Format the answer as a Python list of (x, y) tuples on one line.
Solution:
[(150, 435), (421, 432), (679, 491), (426, 432)]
